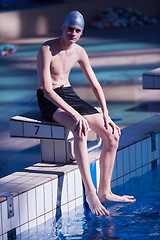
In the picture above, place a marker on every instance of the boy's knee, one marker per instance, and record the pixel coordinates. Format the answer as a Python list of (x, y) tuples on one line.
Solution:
[(111, 140), (115, 141)]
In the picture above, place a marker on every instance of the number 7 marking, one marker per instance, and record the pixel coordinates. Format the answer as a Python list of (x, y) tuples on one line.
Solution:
[(37, 129)]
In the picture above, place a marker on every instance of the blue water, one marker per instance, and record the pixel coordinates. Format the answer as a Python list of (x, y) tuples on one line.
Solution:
[(116, 73), (139, 221)]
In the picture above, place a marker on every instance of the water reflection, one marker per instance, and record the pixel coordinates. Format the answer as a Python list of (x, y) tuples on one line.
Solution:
[(140, 220)]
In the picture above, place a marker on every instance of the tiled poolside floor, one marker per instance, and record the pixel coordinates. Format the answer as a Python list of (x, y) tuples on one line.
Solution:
[(119, 58)]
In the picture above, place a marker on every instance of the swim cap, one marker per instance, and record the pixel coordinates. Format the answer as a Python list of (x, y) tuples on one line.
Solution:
[(74, 18)]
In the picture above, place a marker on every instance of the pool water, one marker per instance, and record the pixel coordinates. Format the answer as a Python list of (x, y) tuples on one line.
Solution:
[(140, 220)]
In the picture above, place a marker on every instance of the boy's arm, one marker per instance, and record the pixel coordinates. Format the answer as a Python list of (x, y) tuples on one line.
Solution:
[(96, 87)]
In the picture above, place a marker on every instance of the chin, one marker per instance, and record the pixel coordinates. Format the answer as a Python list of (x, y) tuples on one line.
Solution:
[(72, 41)]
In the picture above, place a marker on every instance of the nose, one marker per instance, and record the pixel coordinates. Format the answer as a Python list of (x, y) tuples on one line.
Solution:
[(73, 31)]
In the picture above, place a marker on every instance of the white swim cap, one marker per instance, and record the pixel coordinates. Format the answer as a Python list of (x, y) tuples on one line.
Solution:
[(74, 18)]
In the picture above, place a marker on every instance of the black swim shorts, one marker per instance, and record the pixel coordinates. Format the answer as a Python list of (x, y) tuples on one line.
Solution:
[(69, 96)]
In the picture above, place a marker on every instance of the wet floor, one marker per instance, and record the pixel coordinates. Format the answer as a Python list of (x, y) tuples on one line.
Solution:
[(119, 58)]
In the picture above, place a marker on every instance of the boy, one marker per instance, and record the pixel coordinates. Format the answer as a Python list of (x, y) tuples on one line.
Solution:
[(58, 101)]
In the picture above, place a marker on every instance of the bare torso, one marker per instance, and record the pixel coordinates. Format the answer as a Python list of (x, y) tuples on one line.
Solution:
[(59, 62)]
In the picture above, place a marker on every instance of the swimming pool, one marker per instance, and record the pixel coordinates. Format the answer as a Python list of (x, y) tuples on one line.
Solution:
[(140, 220)]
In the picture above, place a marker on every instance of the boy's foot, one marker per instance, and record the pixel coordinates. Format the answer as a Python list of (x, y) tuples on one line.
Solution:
[(95, 205), (110, 197)]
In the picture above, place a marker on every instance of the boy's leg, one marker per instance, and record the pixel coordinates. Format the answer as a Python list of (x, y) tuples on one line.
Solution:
[(107, 158), (81, 154)]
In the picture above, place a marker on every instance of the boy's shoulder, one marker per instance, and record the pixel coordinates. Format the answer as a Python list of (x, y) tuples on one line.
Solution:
[(49, 43), (48, 46), (80, 49)]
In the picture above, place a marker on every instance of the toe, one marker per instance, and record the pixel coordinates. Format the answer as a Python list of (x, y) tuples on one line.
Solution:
[(105, 212)]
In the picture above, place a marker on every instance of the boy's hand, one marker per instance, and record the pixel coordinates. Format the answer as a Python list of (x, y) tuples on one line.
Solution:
[(108, 121), (81, 125)]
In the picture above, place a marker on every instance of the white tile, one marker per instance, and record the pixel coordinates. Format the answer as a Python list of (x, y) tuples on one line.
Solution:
[(149, 167), (132, 157), (126, 178), (9, 178), (71, 205), (53, 214), (1, 237), (48, 197), (79, 201), (114, 183), (54, 192), (139, 172), (71, 186), (15, 219), (40, 200), (64, 209), (18, 230), (32, 204), (40, 220), (60, 151), (119, 163), (120, 180), (37, 130), (24, 228), (126, 160), (48, 216), (144, 151), (16, 128), (156, 152), (145, 169), (32, 224), (133, 174), (6, 223), (97, 172), (138, 154), (78, 184), (5, 236), (150, 153), (23, 208), (47, 150), (58, 132)]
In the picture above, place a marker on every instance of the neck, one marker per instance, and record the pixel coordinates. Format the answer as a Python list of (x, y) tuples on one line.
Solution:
[(64, 45)]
